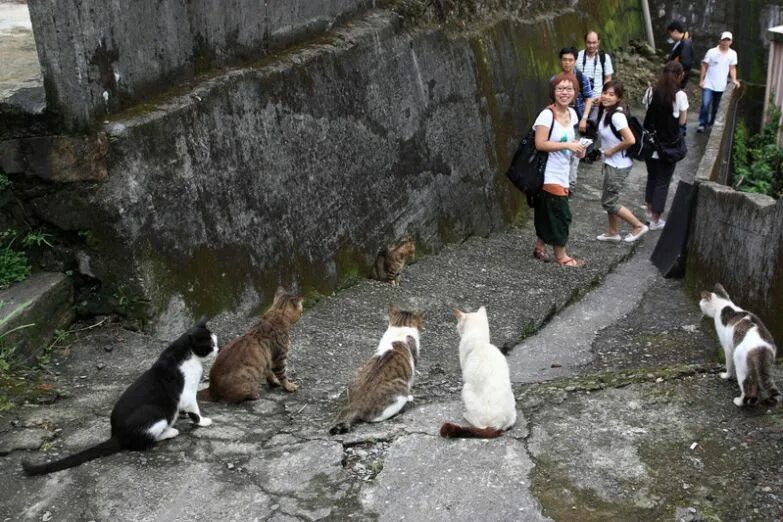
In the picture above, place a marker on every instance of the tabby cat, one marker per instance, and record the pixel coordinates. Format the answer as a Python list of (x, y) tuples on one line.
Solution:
[(382, 387), (146, 411), (259, 353), (749, 348), (391, 260), (490, 407)]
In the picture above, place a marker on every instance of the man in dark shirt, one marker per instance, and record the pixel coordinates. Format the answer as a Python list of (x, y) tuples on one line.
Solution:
[(682, 49)]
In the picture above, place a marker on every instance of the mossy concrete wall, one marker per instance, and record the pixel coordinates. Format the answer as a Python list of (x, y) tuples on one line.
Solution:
[(297, 168), (100, 56)]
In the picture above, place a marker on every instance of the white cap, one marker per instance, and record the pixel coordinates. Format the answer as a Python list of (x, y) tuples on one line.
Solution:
[(726, 36)]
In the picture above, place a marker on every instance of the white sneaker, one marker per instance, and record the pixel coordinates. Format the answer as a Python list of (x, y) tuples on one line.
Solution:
[(630, 238), (605, 237), (658, 226)]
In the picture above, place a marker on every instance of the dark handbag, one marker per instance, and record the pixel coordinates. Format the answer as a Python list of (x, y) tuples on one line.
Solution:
[(593, 118), (527, 167), (526, 171), (672, 152)]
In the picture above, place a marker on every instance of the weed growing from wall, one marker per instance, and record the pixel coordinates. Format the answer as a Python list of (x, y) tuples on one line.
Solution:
[(14, 265), (758, 159)]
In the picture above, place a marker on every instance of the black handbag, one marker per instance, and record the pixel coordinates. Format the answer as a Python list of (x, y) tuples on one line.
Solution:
[(672, 152), (527, 167)]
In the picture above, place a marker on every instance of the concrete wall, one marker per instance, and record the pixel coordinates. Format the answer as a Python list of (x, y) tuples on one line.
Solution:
[(736, 238), (296, 169), (748, 20), (99, 56)]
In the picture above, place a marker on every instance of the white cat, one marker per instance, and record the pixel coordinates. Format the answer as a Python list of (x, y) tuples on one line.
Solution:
[(748, 346), (490, 406)]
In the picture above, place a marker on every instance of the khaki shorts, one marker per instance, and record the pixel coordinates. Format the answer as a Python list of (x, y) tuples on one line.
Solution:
[(614, 183)]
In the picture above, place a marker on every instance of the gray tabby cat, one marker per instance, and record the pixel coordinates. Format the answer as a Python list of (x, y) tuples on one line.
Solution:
[(749, 348), (382, 387), (391, 260)]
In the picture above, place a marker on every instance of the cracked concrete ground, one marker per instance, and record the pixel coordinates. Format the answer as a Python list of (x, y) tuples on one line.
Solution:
[(621, 413)]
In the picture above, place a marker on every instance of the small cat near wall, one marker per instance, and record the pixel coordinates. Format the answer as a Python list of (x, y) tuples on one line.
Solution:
[(260, 353), (390, 261), (147, 410), (749, 348), (489, 402), (382, 386)]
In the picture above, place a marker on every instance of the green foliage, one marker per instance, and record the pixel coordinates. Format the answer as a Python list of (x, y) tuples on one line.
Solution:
[(758, 160), (4, 181), (37, 238), (14, 265), (6, 350)]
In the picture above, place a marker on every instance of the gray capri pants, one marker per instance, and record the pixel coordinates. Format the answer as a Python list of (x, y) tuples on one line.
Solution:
[(614, 183)]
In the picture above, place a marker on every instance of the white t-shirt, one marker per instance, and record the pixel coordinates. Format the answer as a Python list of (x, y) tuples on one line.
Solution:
[(617, 160), (593, 71), (558, 165), (717, 76), (680, 103)]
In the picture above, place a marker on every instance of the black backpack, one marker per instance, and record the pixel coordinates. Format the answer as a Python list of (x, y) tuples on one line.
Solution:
[(527, 167), (646, 142), (601, 59)]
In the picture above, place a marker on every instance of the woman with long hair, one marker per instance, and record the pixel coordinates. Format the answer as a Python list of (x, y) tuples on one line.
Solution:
[(665, 116), (616, 137), (556, 136)]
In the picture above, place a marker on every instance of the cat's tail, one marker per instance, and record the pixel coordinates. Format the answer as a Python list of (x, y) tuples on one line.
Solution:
[(205, 395), (344, 421), (104, 449), (454, 431), (760, 366)]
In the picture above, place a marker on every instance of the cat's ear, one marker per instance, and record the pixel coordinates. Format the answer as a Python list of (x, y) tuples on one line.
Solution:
[(459, 315), (280, 292), (721, 291), (482, 310), (202, 322), (299, 302), (706, 295), (393, 309)]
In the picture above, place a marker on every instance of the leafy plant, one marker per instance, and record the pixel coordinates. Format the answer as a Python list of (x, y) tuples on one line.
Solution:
[(4, 181), (14, 265), (36, 239), (758, 160), (6, 350)]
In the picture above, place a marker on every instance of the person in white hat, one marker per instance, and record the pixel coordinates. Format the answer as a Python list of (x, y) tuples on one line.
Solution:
[(718, 64)]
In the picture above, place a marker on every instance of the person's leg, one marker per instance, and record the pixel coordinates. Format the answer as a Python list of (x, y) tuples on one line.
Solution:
[(629, 217), (649, 189), (706, 98), (716, 96), (662, 180)]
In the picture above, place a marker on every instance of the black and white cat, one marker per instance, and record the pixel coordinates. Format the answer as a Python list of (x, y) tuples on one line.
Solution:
[(146, 412), (749, 348)]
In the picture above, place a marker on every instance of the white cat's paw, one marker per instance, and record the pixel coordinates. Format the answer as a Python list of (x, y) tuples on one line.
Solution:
[(738, 401), (170, 433), (725, 375), (204, 422)]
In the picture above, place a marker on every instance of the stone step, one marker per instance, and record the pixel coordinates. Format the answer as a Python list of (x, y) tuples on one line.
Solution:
[(32, 310)]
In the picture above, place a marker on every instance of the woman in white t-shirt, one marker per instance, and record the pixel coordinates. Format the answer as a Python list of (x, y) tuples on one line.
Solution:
[(665, 116), (616, 137), (555, 134)]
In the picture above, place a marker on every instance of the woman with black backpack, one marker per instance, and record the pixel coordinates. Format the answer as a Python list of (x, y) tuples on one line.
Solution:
[(665, 116), (616, 139)]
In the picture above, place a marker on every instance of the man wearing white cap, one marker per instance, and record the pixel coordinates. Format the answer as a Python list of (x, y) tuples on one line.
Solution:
[(719, 63)]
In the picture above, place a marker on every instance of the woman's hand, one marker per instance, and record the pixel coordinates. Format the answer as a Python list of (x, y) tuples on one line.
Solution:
[(577, 148)]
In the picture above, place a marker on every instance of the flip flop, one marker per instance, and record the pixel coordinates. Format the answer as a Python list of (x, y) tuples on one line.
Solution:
[(541, 255), (570, 261)]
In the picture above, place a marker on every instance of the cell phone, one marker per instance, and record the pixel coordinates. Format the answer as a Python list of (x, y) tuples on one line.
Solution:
[(585, 141)]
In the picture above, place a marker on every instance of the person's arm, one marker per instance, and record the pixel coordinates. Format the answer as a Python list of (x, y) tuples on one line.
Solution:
[(733, 74), (609, 70), (543, 143), (683, 119), (583, 121), (703, 73), (628, 141)]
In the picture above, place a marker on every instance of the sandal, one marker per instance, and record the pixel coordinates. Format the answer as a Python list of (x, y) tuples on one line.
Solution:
[(570, 261), (541, 255)]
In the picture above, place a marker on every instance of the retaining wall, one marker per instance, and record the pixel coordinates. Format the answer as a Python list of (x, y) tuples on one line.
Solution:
[(736, 238), (99, 56)]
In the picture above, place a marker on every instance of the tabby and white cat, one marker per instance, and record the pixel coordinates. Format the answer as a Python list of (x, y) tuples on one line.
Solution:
[(391, 260), (749, 348), (259, 353), (147, 410), (382, 386), (490, 407)]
